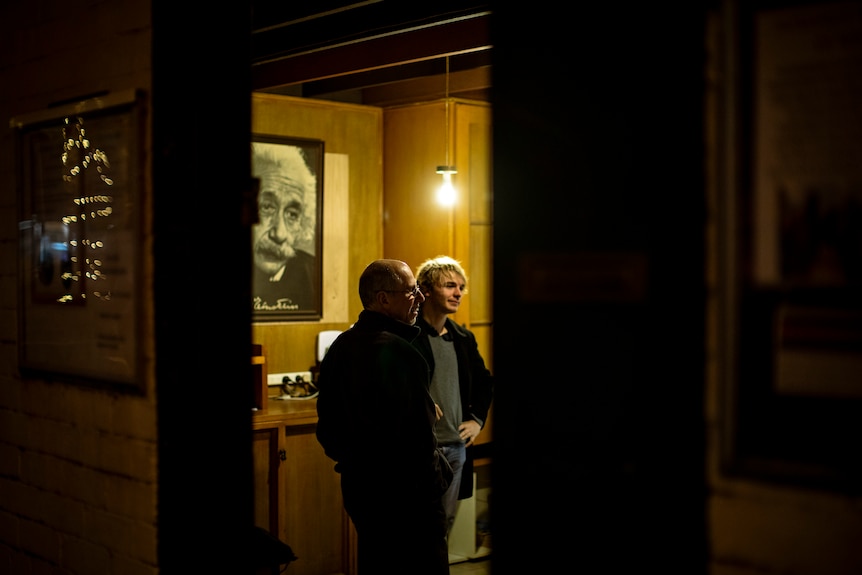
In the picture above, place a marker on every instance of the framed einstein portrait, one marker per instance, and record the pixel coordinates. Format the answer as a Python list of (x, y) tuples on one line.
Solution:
[(286, 239)]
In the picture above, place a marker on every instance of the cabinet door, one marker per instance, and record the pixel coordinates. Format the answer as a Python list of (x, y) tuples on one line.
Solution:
[(266, 458), (315, 525)]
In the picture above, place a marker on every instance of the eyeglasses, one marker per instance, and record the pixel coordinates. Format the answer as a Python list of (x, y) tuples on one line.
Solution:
[(412, 292)]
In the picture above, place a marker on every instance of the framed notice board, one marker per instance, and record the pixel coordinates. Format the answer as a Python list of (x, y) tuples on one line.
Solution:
[(79, 190)]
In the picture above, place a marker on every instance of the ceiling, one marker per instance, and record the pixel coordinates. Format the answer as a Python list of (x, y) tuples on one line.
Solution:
[(376, 52)]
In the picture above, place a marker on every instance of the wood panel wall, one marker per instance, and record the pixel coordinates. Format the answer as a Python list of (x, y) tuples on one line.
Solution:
[(416, 227), (352, 200)]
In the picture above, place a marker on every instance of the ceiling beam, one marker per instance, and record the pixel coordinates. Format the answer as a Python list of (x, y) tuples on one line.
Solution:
[(466, 84), (460, 36)]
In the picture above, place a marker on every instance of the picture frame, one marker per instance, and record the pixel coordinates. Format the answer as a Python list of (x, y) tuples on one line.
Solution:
[(791, 266), (80, 188), (287, 236)]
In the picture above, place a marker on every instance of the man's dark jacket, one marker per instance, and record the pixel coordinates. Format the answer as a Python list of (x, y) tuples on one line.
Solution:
[(373, 398)]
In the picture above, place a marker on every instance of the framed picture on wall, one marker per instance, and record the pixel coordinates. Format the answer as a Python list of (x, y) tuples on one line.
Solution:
[(792, 237), (287, 236), (80, 189)]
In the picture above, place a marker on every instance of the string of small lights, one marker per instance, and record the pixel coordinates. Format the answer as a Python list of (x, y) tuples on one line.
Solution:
[(78, 158)]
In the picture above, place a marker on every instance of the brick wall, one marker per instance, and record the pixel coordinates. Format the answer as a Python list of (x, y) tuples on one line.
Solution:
[(77, 464)]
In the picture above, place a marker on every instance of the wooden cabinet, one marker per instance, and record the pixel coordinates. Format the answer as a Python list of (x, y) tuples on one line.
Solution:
[(266, 455), (297, 491)]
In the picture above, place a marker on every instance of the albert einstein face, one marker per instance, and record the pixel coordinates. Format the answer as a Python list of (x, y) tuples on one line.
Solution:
[(285, 205)]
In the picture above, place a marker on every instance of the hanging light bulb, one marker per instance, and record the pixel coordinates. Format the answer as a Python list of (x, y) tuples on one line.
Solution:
[(446, 192)]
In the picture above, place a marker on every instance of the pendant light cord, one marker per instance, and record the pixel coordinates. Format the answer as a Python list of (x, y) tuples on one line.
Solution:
[(448, 164)]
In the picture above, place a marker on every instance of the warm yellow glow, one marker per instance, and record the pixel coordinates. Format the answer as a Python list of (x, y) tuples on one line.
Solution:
[(446, 192)]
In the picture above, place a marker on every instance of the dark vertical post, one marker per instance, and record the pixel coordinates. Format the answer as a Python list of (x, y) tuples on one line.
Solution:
[(201, 120), (598, 288)]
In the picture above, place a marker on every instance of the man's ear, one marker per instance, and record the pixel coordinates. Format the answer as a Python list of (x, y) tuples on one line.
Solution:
[(382, 298)]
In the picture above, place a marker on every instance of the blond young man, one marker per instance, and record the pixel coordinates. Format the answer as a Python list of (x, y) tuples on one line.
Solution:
[(461, 384)]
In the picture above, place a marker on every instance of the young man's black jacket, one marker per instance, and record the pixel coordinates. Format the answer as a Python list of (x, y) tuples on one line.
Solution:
[(474, 379)]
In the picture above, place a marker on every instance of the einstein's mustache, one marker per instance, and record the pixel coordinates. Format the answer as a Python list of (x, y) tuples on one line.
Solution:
[(270, 250)]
